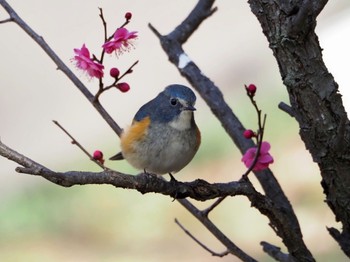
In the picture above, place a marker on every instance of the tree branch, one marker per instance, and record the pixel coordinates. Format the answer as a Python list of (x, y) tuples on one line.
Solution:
[(144, 183), (275, 252), (201, 11), (147, 183), (286, 108), (222, 254), (203, 218)]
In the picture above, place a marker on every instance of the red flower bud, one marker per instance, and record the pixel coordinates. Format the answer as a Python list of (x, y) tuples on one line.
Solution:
[(248, 133), (98, 155), (128, 15), (123, 87), (114, 72), (251, 89)]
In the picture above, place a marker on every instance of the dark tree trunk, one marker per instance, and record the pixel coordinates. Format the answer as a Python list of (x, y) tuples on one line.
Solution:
[(316, 103)]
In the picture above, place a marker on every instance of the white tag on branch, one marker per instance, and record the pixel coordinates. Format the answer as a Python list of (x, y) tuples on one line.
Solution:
[(183, 61)]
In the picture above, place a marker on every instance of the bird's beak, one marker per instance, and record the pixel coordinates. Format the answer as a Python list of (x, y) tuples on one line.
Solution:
[(189, 108)]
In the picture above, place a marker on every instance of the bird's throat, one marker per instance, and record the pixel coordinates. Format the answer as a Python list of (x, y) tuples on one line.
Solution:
[(183, 121)]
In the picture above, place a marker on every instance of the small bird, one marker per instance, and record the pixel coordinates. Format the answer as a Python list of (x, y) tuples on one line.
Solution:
[(163, 137)]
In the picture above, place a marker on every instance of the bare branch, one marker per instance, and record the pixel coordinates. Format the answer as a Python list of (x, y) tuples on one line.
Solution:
[(75, 142), (202, 11), (144, 183), (299, 17), (342, 238), (200, 243), (286, 108), (275, 252), (206, 211), (6, 21), (215, 231)]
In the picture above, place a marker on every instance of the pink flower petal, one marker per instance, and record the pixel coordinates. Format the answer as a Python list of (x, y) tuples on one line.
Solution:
[(85, 63), (120, 42), (263, 160)]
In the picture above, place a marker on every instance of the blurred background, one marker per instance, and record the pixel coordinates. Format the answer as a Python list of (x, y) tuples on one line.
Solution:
[(40, 221)]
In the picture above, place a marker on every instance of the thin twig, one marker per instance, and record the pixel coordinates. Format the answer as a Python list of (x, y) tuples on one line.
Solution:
[(222, 254), (75, 142), (103, 89), (232, 247), (104, 24), (286, 108), (6, 21), (206, 211), (260, 133)]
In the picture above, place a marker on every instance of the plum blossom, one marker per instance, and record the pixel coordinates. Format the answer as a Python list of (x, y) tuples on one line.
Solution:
[(84, 62), (264, 158), (121, 41)]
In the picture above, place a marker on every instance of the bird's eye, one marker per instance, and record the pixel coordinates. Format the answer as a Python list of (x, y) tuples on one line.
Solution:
[(173, 101)]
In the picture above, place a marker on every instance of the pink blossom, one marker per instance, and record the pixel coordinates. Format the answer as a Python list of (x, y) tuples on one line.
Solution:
[(263, 160), (85, 63), (122, 41)]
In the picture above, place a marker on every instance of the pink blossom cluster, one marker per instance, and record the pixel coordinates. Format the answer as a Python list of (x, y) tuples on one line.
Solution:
[(119, 43)]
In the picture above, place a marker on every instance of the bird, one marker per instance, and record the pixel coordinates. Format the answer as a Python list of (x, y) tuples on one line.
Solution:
[(163, 136)]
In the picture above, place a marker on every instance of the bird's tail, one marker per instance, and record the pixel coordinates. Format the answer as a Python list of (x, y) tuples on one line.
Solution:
[(118, 156)]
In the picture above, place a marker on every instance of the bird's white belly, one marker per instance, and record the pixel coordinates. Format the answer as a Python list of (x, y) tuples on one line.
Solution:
[(159, 155)]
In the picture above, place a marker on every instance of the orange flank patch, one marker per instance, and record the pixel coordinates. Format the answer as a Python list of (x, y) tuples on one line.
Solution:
[(135, 133)]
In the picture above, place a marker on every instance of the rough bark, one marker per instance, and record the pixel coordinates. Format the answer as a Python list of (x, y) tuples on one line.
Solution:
[(317, 105)]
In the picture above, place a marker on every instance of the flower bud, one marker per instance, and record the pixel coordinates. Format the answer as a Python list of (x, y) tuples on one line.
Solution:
[(248, 133), (114, 72), (128, 15), (123, 87), (251, 89), (98, 155)]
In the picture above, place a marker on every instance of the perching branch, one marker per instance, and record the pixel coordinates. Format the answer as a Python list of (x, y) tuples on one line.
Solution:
[(147, 183), (144, 183)]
